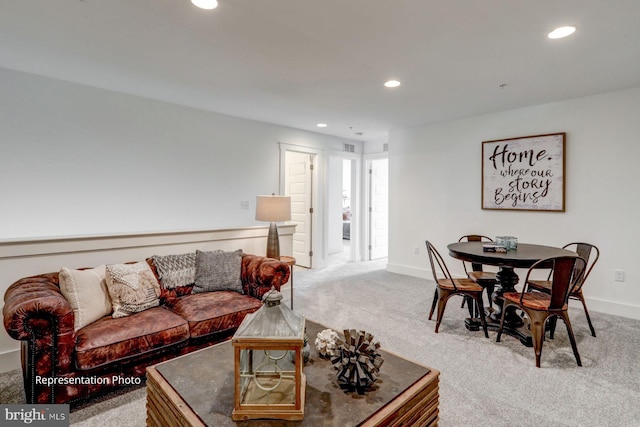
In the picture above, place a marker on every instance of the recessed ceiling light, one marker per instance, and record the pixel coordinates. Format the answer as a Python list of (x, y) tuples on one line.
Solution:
[(322, 125), (205, 4), (561, 32), (392, 83)]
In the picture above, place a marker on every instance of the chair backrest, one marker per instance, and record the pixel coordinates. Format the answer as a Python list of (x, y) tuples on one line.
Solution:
[(590, 253), (436, 259), (474, 238), (563, 282)]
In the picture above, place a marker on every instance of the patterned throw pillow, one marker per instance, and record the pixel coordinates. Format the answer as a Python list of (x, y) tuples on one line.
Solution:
[(86, 291), (132, 287), (218, 271), (176, 270)]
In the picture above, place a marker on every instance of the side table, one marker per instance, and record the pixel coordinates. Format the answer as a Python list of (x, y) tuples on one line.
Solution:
[(291, 261)]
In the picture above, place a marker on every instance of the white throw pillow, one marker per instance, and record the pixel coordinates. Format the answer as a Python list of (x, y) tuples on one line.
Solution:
[(86, 291), (132, 287)]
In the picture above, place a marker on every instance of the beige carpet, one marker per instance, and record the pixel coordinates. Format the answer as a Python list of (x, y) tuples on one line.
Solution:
[(483, 383)]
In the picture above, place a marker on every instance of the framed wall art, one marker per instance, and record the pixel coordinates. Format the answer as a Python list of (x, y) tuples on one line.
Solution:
[(525, 173)]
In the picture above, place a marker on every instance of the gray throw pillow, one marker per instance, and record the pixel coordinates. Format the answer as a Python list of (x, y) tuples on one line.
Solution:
[(218, 271), (176, 270)]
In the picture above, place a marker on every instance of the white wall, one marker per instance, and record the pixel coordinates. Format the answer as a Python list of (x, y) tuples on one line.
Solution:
[(81, 161), (77, 160), (435, 184), (376, 146)]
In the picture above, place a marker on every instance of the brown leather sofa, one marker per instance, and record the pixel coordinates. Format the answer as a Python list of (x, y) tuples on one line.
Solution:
[(61, 365)]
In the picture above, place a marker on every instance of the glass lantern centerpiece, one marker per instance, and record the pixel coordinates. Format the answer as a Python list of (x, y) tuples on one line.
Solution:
[(268, 377)]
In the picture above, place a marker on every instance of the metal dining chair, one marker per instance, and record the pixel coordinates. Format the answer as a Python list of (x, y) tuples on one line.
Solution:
[(446, 287), (590, 253), (541, 306), (475, 271)]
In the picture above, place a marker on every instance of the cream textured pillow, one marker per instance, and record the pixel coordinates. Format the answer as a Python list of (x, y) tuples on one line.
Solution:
[(86, 291), (132, 287)]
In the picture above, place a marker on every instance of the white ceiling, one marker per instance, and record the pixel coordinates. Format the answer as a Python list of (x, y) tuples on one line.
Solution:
[(300, 62)]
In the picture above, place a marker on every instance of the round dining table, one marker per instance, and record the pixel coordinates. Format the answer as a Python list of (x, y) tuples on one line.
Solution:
[(523, 257)]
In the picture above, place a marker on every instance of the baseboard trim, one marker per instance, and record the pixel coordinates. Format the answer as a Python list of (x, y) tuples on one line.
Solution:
[(422, 273), (9, 361), (614, 308)]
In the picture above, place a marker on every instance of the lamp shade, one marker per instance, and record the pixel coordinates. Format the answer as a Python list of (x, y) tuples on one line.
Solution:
[(273, 208)]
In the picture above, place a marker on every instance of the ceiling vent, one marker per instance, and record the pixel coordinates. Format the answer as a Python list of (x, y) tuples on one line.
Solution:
[(349, 148)]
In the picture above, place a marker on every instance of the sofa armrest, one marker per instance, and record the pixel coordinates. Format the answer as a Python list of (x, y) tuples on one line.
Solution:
[(35, 311), (259, 274)]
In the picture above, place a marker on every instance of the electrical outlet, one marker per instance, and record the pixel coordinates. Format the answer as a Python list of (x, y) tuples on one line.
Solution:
[(416, 250), (618, 275)]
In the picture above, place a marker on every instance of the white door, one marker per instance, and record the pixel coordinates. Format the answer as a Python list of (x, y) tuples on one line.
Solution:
[(379, 209), (298, 185)]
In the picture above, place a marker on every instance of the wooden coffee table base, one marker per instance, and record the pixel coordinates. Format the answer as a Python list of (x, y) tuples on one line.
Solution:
[(195, 390), (165, 407), (416, 406)]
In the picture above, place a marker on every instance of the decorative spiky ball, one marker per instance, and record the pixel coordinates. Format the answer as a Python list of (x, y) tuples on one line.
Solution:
[(326, 343), (358, 361)]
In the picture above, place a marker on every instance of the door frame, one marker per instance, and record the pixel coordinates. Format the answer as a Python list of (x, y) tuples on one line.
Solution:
[(356, 241), (318, 246), (319, 229), (366, 218)]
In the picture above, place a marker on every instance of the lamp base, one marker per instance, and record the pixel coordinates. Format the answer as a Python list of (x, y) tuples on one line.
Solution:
[(273, 242)]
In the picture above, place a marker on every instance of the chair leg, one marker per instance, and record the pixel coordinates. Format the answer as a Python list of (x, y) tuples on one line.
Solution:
[(480, 305), (586, 312), (504, 310), (442, 303), (490, 289), (433, 304), (572, 338), (552, 326), (470, 305), (537, 320)]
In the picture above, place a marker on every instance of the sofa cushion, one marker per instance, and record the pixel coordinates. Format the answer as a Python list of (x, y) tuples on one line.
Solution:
[(169, 297), (213, 312), (132, 288), (218, 271), (86, 291), (111, 340)]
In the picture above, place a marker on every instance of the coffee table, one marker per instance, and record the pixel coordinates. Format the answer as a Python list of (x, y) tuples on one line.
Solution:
[(197, 390)]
